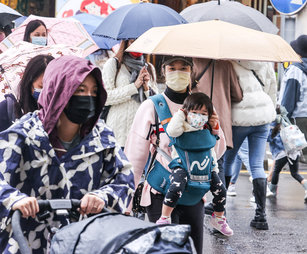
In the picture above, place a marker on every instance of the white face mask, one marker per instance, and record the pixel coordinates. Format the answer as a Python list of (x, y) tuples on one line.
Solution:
[(197, 120), (177, 80)]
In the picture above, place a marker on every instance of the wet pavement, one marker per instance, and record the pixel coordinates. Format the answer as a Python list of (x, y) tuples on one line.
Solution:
[(286, 214)]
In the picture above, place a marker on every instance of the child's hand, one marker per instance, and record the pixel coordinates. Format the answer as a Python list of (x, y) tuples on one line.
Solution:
[(214, 120)]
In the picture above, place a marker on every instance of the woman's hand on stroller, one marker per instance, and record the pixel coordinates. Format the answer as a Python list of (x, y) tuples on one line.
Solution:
[(91, 203), (28, 207)]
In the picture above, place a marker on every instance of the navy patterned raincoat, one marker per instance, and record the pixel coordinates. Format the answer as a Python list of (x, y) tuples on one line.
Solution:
[(32, 161)]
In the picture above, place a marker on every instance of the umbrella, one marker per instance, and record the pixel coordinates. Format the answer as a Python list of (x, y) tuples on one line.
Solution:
[(100, 8), (7, 15), (20, 20), (90, 23), (229, 11), (214, 40), (130, 21), (14, 60), (60, 31)]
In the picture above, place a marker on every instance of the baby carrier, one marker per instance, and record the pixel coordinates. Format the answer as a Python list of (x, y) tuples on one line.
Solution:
[(194, 150)]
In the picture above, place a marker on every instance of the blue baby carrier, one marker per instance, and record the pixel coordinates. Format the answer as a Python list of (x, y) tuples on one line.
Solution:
[(194, 150)]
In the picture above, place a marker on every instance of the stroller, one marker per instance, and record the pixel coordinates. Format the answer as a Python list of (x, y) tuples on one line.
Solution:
[(107, 233)]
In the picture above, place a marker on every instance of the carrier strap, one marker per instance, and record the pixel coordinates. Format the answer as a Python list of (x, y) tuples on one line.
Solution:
[(162, 110)]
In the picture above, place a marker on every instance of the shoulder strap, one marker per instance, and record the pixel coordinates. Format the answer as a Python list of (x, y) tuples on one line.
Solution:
[(257, 77), (195, 82), (117, 69), (162, 109)]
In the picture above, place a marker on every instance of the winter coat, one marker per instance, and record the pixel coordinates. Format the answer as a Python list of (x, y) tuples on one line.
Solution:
[(123, 107), (226, 90), (293, 90), (257, 107), (139, 143), (32, 166)]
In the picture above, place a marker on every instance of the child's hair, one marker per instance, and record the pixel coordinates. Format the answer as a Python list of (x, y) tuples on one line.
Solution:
[(197, 101), (276, 129)]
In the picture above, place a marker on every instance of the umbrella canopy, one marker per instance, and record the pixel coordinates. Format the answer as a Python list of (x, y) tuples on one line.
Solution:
[(90, 23), (20, 20), (7, 15), (60, 31), (130, 21), (100, 8), (229, 11), (14, 61), (215, 40)]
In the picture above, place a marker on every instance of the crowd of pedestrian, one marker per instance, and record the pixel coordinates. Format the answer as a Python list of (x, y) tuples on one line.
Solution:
[(76, 132)]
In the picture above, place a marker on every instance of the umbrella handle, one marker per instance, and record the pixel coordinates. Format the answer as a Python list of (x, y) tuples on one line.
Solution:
[(141, 93), (212, 79)]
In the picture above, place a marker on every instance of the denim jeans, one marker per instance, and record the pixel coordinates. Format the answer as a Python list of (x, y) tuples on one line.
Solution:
[(241, 157), (257, 137)]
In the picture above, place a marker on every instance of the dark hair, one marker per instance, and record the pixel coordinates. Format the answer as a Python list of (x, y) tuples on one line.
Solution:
[(31, 26), (36, 66), (277, 127), (197, 101)]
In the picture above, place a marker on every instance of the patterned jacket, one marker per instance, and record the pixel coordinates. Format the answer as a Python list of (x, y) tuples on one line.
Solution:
[(29, 166)]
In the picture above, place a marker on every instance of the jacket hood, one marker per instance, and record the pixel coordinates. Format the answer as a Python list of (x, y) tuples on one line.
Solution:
[(303, 65), (62, 77), (250, 65)]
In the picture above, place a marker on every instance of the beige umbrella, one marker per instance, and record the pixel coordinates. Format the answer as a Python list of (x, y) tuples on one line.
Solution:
[(215, 40)]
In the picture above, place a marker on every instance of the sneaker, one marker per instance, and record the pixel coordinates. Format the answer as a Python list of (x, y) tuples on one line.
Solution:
[(252, 199), (305, 198), (273, 189), (231, 191), (220, 224), (164, 221), (269, 193)]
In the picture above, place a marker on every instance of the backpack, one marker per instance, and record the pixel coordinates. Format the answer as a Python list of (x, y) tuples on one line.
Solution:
[(194, 156)]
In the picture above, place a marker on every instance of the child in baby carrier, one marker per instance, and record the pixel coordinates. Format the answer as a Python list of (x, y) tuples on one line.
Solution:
[(196, 114)]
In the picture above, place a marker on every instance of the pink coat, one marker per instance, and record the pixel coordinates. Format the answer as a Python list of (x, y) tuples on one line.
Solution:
[(137, 146)]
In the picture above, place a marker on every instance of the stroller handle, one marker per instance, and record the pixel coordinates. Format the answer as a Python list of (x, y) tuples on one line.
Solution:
[(44, 205)]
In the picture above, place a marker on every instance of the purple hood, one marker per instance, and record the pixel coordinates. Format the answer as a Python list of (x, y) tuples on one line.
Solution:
[(62, 77)]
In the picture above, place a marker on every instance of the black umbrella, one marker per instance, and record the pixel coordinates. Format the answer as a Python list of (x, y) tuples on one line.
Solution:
[(7, 15)]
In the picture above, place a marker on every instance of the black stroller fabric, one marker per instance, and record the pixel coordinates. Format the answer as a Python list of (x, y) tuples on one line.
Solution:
[(118, 234)]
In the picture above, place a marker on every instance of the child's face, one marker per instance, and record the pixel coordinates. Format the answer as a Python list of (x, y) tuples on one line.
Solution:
[(202, 111)]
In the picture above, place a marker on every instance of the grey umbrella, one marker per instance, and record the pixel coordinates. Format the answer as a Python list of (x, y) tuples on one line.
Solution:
[(7, 15), (229, 11)]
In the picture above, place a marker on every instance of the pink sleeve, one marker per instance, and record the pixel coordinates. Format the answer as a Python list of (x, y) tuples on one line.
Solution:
[(137, 145), (220, 147)]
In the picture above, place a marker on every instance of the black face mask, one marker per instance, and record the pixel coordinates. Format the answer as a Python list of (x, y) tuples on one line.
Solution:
[(80, 108)]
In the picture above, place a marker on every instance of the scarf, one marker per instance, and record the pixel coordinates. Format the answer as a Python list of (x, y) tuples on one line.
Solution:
[(134, 66), (176, 97)]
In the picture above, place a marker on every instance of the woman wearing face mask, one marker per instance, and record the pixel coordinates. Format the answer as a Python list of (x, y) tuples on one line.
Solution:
[(61, 151), (128, 82), (28, 91), (36, 32), (142, 140)]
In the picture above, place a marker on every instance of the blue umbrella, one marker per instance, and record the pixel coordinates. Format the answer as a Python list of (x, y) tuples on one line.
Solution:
[(90, 23), (20, 20), (132, 20)]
